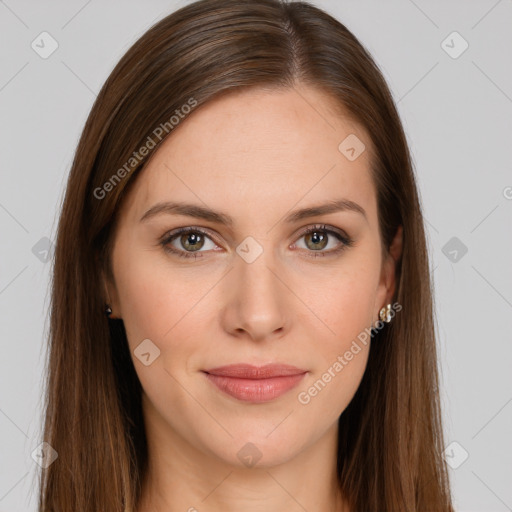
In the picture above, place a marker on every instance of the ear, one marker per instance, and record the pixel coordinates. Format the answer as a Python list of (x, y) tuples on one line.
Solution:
[(111, 296), (387, 283)]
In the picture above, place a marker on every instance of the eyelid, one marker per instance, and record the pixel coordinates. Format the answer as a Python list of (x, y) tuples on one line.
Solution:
[(345, 241), (174, 233), (323, 227)]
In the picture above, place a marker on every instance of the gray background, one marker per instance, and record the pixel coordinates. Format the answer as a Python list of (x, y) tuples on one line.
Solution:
[(457, 113)]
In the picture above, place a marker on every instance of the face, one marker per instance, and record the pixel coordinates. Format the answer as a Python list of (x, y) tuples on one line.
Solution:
[(248, 284)]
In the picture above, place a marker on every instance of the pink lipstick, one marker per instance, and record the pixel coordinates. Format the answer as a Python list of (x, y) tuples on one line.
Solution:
[(255, 383)]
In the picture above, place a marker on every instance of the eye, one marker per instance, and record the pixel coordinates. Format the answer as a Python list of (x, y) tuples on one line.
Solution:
[(189, 241), (318, 237)]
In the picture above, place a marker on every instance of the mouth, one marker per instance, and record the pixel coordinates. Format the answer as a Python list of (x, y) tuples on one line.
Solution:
[(250, 383)]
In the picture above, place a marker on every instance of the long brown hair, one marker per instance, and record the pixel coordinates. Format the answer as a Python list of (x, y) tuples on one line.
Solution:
[(390, 435)]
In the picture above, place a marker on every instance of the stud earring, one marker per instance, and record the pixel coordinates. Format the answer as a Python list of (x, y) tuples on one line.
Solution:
[(385, 314), (108, 310)]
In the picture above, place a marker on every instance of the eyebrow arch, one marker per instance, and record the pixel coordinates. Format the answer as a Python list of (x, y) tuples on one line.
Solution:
[(200, 212)]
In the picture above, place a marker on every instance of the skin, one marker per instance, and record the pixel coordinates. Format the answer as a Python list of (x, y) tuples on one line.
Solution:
[(257, 156)]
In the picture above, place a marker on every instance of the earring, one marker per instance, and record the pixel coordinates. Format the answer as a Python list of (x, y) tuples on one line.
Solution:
[(385, 314), (108, 310)]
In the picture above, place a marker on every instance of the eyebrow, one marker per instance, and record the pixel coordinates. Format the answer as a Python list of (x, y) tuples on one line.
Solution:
[(200, 212)]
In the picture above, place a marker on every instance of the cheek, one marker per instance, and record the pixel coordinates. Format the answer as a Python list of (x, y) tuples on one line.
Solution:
[(154, 301), (345, 303), (341, 357), (162, 306)]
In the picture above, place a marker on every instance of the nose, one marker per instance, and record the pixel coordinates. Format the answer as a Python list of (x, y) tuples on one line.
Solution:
[(256, 304)]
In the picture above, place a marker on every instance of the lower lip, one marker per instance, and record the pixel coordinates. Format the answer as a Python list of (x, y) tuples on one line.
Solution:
[(255, 390)]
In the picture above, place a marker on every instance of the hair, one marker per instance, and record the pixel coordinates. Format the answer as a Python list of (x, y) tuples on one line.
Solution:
[(390, 435)]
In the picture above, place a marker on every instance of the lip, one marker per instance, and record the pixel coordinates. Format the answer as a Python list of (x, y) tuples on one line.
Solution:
[(250, 383)]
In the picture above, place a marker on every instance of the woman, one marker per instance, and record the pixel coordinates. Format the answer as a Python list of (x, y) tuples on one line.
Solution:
[(242, 206)]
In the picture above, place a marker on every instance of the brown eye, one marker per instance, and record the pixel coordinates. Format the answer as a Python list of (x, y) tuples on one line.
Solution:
[(187, 242), (316, 240), (192, 241)]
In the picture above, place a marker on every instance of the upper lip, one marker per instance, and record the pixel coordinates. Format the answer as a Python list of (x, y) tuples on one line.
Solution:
[(248, 371)]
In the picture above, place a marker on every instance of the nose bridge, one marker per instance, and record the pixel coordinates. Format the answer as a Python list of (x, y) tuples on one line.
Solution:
[(256, 304), (256, 275)]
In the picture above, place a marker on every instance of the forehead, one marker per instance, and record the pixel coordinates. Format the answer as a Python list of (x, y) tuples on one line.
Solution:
[(255, 148)]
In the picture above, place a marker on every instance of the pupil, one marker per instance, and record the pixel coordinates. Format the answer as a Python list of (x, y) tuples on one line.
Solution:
[(192, 239), (317, 238)]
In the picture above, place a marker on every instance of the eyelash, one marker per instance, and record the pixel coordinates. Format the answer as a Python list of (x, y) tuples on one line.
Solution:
[(169, 237)]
